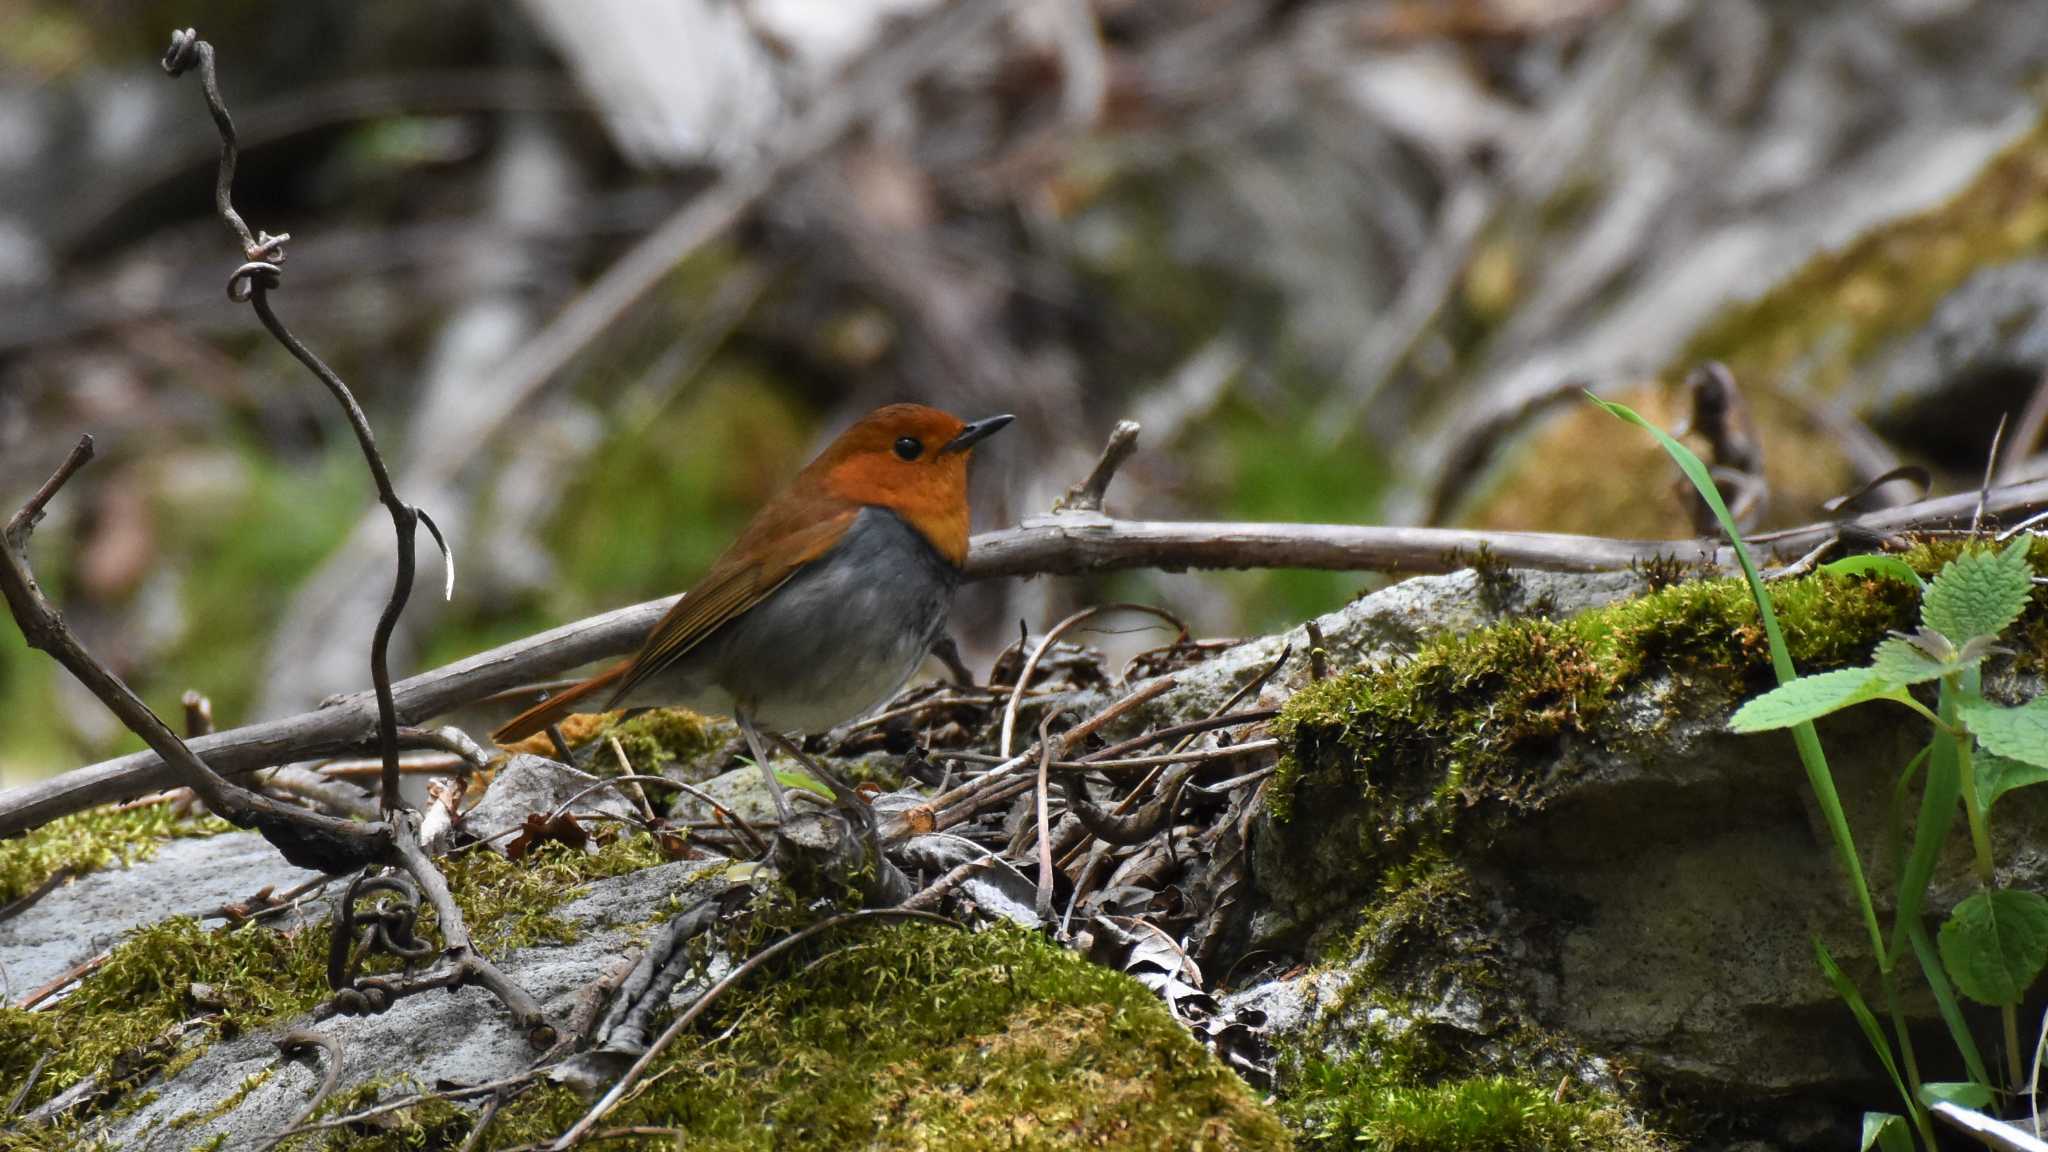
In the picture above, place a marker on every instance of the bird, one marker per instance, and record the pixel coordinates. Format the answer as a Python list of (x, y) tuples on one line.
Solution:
[(827, 601)]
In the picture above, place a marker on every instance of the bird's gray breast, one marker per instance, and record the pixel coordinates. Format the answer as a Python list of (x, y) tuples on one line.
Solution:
[(843, 634)]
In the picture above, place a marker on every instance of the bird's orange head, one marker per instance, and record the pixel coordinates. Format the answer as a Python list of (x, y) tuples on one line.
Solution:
[(911, 460)]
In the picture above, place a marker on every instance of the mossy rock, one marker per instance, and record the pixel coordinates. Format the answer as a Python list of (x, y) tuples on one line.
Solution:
[(1626, 877)]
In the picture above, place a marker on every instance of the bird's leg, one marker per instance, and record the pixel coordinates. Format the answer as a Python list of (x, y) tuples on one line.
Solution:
[(759, 748)]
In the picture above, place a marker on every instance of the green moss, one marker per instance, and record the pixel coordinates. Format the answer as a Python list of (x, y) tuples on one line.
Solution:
[(1403, 1085), (508, 904), (92, 840), (1382, 1105), (653, 740), (911, 1036), (228, 1103), (432, 1124), (122, 1023), (1476, 718)]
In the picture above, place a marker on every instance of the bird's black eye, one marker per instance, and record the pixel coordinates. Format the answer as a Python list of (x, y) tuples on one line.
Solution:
[(909, 448)]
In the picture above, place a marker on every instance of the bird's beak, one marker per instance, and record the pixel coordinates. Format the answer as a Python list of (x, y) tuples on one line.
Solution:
[(975, 433)]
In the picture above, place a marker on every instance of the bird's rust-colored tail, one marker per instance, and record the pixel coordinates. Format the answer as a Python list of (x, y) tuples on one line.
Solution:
[(554, 708)]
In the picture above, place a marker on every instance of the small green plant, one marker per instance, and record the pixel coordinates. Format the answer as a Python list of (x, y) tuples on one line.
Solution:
[(1995, 943)]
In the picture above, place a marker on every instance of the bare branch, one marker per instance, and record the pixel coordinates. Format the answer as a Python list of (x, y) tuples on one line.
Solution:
[(24, 521), (1042, 547), (299, 1039), (307, 839), (1087, 495)]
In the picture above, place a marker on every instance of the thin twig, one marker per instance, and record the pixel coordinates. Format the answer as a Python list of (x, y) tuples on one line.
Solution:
[(1087, 495), (27, 1085), (296, 1040), (307, 839), (419, 1098), (1990, 474), (66, 979), (50, 884), (253, 282), (2027, 433), (25, 519), (475, 1139), (961, 803), (1045, 644), (1044, 905), (1090, 764)]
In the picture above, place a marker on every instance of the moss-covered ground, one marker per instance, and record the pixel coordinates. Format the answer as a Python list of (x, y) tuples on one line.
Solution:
[(911, 1036), (89, 841), (1370, 1072), (123, 1023), (904, 1036)]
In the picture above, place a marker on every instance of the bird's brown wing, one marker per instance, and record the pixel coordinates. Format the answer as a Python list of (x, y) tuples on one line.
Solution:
[(760, 561)]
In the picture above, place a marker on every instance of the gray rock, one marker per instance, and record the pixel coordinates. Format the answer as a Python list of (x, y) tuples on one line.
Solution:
[(529, 784), (91, 912), (1657, 904), (1981, 352), (456, 1038), (743, 790)]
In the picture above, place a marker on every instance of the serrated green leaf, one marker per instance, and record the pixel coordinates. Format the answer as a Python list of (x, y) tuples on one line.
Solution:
[(2018, 733), (1980, 593), (1875, 565), (1995, 943), (1997, 775), (1887, 1132), (1961, 1093), (1899, 661), (1809, 698)]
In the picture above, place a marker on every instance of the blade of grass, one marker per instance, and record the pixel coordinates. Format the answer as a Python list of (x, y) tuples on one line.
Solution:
[(1804, 737), (1873, 1032), (1945, 1001), (1818, 775)]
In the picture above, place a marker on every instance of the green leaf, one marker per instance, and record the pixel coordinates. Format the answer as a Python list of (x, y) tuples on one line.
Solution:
[(798, 778), (1864, 1018), (1980, 593), (1809, 698), (1875, 565), (1997, 775), (1900, 661), (1960, 1093), (1995, 943), (1887, 1132), (2019, 733)]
